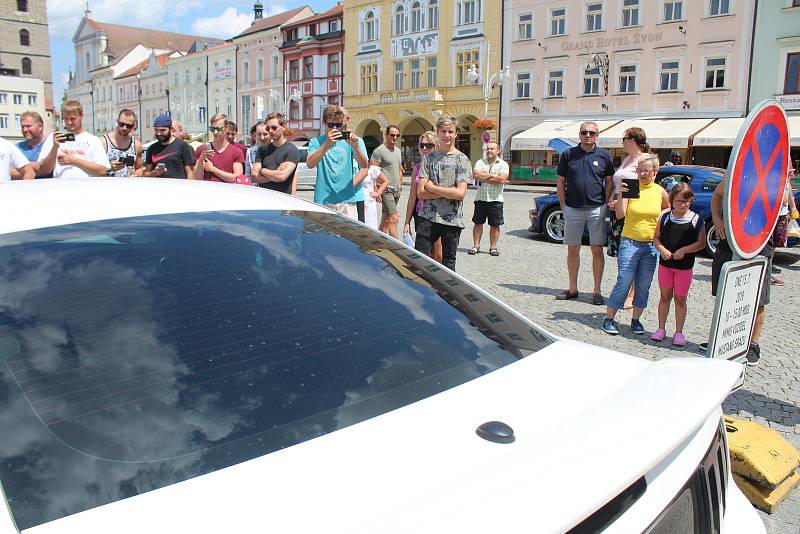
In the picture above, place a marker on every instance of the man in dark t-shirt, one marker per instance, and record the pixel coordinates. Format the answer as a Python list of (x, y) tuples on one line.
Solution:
[(276, 163), (168, 157)]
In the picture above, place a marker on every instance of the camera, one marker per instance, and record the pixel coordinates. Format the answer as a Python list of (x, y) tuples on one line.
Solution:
[(69, 136), (161, 166), (345, 135), (128, 161)]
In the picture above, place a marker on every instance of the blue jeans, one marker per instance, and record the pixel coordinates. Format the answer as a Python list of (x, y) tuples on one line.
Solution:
[(636, 260)]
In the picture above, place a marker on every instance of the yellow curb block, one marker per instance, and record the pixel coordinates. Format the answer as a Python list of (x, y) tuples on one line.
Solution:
[(760, 454), (764, 498)]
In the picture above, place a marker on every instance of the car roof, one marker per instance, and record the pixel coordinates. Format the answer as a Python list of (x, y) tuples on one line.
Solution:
[(30, 204), (690, 169)]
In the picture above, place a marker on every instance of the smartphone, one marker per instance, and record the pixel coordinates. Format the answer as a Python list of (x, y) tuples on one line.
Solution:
[(345, 135), (161, 166), (69, 136), (633, 188)]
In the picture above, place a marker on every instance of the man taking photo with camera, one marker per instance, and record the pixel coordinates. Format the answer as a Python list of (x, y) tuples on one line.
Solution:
[(123, 151), (275, 163), (75, 153)]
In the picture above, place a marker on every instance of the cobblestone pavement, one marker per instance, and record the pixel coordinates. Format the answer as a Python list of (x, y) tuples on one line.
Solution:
[(530, 271)]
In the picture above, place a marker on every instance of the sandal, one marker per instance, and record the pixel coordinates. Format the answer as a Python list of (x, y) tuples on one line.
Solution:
[(566, 295), (473, 251), (494, 252)]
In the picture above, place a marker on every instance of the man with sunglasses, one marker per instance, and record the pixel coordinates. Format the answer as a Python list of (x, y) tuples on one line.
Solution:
[(332, 155), (584, 187), (389, 158), (276, 163), (170, 156), (123, 151)]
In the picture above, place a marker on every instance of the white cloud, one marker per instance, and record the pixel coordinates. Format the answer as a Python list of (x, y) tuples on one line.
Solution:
[(228, 23), (65, 15), (185, 6)]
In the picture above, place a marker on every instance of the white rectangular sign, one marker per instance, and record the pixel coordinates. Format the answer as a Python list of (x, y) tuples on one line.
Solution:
[(738, 295)]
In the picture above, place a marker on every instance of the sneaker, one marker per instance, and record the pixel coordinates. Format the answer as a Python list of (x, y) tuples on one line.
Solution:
[(637, 327), (610, 327), (753, 354), (659, 335), (678, 340), (776, 270)]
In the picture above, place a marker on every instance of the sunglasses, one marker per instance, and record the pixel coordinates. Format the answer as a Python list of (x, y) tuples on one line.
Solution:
[(336, 125), (394, 136), (126, 125), (426, 145), (589, 132), (627, 138), (216, 129), (272, 128)]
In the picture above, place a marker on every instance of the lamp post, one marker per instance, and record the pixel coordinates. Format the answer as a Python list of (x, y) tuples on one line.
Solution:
[(294, 96), (474, 76), (599, 61)]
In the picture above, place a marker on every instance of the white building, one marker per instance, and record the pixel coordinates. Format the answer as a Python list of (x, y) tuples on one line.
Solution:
[(154, 82), (18, 95)]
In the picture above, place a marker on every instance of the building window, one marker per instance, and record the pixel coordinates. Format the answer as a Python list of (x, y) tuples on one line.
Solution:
[(3, 121), (669, 75), (431, 64), (399, 20), (312, 30), (174, 78), (333, 64), (275, 65), (715, 73), (22, 5), (333, 100), (246, 72), (627, 79), (259, 69), (433, 14), (31, 100), (27, 66), (591, 82), (558, 21), (24, 38), (3, 98), (17, 125), (525, 27), (791, 83), (308, 108), (369, 33), (594, 17), (198, 75), (369, 78), (17, 100), (416, 17), (523, 85), (673, 10), (398, 75), (630, 13), (308, 67), (294, 70), (292, 34), (463, 62), (555, 83), (333, 26), (187, 79), (294, 111), (719, 7), (415, 73), (468, 12)]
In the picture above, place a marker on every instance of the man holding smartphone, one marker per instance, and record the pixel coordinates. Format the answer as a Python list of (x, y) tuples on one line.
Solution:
[(123, 150), (332, 155), (75, 153), (168, 157)]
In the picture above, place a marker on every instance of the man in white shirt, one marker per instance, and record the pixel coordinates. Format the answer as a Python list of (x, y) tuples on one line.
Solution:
[(79, 158), (11, 156)]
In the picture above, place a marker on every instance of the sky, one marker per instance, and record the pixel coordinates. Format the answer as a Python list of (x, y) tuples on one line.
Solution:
[(209, 18)]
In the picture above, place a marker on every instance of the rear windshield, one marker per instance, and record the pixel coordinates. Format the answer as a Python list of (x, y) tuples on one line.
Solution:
[(137, 353)]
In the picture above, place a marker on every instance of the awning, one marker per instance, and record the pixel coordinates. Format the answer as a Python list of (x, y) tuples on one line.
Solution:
[(538, 137), (661, 133), (721, 132)]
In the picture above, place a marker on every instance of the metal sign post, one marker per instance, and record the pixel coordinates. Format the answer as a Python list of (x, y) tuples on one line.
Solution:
[(754, 184)]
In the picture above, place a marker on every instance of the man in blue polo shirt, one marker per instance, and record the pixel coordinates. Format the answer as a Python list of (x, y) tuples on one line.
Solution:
[(584, 187), (32, 127)]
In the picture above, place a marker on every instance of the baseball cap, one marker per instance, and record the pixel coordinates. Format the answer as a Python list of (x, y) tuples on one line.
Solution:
[(162, 121)]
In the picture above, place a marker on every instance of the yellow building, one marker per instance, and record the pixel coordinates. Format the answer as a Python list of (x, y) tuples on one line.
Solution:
[(408, 62)]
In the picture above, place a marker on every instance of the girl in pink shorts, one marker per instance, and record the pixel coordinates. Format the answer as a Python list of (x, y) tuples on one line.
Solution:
[(680, 234)]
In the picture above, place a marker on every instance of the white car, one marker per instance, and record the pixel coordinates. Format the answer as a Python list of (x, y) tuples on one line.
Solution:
[(180, 356)]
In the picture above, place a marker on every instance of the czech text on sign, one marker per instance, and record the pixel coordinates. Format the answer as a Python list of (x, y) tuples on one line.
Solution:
[(755, 179), (738, 295)]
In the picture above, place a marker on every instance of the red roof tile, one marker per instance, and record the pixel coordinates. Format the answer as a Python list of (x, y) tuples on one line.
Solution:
[(271, 22), (161, 58), (332, 12)]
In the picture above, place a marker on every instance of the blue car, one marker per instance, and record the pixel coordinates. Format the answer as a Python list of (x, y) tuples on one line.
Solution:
[(548, 219)]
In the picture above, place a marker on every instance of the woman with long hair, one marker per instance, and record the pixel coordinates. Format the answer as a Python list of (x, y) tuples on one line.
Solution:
[(427, 144)]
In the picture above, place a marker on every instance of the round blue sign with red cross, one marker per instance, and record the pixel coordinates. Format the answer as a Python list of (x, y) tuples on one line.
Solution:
[(756, 178)]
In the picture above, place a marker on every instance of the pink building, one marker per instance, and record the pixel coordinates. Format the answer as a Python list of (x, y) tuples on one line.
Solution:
[(260, 65), (676, 64)]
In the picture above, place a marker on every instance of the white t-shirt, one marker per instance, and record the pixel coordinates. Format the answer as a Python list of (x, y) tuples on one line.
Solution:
[(10, 156), (87, 146)]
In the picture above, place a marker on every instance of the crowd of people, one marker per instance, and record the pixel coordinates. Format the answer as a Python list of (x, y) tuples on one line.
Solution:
[(651, 228)]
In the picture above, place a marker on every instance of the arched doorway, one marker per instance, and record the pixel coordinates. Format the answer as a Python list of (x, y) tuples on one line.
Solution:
[(370, 131), (410, 130), (468, 140)]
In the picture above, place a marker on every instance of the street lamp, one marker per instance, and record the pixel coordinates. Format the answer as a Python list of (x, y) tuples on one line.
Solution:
[(294, 96), (599, 61), (474, 76)]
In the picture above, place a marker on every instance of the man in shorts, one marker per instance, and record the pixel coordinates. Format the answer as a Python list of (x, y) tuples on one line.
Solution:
[(390, 160), (491, 173), (584, 187)]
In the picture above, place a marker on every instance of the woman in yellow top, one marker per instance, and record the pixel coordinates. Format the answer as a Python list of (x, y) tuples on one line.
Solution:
[(637, 257)]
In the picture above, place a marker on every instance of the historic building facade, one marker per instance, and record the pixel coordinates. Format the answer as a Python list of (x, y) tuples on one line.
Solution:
[(411, 61), (312, 60), (18, 95)]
